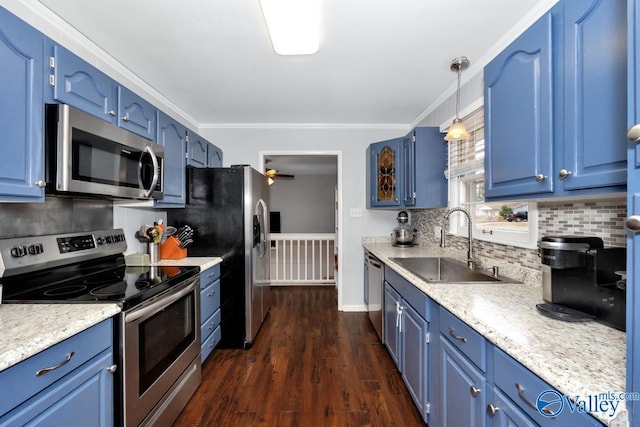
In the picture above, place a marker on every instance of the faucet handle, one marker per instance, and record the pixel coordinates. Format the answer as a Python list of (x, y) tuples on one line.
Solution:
[(473, 263)]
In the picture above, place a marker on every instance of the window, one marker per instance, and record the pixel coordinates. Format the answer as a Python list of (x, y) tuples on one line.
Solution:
[(512, 223)]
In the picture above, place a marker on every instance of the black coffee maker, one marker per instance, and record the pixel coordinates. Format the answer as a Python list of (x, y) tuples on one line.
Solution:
[(582, 277)]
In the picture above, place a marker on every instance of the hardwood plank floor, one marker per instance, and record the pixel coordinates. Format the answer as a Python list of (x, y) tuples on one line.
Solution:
[(310, 365)]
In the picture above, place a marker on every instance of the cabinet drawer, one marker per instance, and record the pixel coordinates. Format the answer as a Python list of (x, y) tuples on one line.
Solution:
[(414, 296), (20, 382), (523, 387), (462, 336), (209, 325), (209, 276), (209, 300), (210, 344)]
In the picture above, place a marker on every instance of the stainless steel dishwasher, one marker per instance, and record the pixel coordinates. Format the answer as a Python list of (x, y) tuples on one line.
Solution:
[(376, 293)]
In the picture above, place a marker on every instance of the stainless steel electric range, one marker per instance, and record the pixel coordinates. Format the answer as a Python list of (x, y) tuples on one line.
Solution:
[(157, 334)]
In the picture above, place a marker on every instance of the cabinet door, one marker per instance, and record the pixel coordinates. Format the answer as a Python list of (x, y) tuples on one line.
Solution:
[(77, 83), (414, 356), (215, 157), (392, 320), (506, 414), (595, 45), (21, 110), (197, 151), (633, 208), (172, 135), (519, 115), (429, 160), (385, 187), (463, 389), (135, 114), (84, 396)]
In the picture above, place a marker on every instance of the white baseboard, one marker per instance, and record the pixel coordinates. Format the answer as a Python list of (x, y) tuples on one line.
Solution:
[(358, 307)]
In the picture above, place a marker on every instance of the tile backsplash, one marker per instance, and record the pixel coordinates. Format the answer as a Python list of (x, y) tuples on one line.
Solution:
[(604, 219)]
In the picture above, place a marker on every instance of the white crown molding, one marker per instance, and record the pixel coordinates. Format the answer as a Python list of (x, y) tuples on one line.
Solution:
[(402, 127)]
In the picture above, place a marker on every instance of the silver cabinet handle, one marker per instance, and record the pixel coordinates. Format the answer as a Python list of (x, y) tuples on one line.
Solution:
[(633, 134), (475, 391), (112, 113), (564, 173), (41, 183), (125, 118), (633, 223), (112, 369), (540, 177), (210, 294), (492, 410), (452, 332), (53, 368), (529, 403)]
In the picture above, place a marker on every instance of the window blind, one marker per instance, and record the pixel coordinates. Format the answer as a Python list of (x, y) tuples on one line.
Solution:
[(466, 157)]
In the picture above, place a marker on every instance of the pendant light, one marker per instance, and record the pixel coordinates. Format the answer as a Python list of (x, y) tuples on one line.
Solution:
[(457, 129)]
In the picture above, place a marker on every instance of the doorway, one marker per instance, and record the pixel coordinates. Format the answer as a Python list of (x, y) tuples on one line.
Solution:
[(306, 204)]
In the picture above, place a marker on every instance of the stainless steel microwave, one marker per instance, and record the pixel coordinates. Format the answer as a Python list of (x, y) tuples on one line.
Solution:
[(86, 155)]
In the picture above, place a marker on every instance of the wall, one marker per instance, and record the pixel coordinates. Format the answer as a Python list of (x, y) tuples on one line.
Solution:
[(244, 145), (55, 215), (306, 203)]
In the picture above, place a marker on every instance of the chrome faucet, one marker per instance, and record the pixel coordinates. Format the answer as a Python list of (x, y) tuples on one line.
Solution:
[(471, 261)]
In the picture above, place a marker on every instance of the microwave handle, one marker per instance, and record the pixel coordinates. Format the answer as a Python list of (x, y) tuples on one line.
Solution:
[(154, 181)]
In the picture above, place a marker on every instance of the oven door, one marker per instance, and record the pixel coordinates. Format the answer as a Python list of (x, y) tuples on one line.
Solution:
[(96, 157), (161, 342)]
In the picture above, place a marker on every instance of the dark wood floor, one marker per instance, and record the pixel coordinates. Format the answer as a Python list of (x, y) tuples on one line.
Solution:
[(309, 366)]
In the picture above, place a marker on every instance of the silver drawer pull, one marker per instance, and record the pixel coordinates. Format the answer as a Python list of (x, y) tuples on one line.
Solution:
[(475, 391), (53, 368), (210, 295), (112, 369), (492, 410), (452, 332), (530, 403)]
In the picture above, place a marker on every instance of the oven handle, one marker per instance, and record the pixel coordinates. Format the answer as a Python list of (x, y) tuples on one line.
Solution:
[(154, 180), (159, 305)]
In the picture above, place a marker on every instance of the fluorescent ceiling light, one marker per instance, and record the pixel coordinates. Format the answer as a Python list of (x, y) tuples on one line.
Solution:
[(294, 25)]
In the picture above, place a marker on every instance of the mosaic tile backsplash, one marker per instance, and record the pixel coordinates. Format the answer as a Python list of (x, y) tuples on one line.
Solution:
[(604, 219)]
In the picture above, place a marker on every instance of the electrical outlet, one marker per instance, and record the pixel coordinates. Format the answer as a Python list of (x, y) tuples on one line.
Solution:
[(355, 212), (437, 230)]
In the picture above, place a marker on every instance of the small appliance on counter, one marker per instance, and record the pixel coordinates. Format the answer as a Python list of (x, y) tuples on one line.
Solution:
[(403, 235), (581, 280)]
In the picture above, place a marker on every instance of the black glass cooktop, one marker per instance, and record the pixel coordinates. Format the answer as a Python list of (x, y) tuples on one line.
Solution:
[(103, 280)]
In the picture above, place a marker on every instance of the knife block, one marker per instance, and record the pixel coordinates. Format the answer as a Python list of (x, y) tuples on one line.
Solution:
[(171, 249)]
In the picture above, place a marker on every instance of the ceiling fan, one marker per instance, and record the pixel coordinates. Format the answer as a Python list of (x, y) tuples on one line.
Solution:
[(273, 174)]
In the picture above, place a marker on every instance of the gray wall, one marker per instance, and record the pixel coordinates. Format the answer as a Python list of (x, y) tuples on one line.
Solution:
[(306, 203)]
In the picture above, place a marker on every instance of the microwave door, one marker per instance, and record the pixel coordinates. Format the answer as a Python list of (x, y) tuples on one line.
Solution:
[(143, 171)]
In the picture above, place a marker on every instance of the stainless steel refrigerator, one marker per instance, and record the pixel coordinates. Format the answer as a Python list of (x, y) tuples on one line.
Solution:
[(228, 209)]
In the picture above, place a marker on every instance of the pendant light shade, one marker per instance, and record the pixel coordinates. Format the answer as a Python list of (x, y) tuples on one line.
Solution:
[(457, 129)]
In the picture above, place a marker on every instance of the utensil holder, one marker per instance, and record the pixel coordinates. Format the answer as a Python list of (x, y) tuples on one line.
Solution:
[(154, 255), (171, 249)]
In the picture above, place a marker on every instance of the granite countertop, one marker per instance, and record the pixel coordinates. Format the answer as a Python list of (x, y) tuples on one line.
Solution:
[(27, 329), (202, 262), (575, 358)]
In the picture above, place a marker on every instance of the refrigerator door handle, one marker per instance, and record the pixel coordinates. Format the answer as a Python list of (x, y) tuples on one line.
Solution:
[(261, 208)]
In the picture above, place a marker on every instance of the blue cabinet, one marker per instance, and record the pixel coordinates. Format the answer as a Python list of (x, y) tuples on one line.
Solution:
[(173, 137), (633, 209), (518, 100), (79, 389), (201, 153), (555, 101), (75, 82), (406, 333), (21, 110), (210, 314), (135, 114), (407, 171)]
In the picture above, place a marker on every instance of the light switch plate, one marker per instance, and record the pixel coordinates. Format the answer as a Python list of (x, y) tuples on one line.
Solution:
[(355, 212)]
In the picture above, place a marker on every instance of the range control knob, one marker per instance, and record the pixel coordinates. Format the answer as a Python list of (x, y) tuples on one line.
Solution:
[(100, 241), (35, 249), (19, 251)]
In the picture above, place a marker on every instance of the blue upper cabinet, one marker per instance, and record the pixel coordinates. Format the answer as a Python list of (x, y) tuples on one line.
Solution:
[(173, 136), (555, 104), (408, 171), (519, 115), (21, 110), (201, 153), (77, 83), (595, 87), (135, 114)]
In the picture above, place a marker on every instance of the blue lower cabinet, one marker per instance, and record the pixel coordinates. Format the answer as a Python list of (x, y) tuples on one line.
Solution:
[(79, 391), (391, 324), (505, 413), (210, 314)]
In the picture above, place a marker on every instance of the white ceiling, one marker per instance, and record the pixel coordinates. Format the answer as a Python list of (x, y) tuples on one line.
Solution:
[(381, 62)]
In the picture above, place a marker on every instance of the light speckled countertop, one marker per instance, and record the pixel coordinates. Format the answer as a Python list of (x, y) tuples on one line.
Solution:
[(27, 329), (202, 262), (576, 358)]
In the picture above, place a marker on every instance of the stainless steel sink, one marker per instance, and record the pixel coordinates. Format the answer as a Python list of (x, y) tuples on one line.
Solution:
[(446, 270)]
